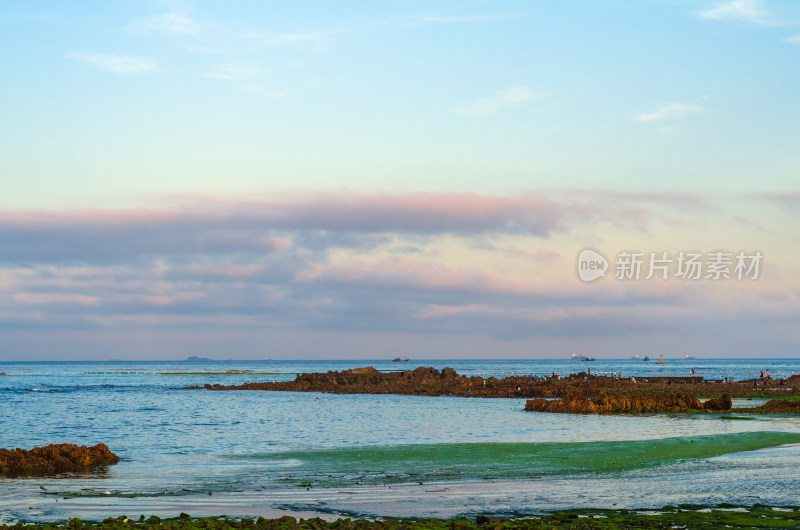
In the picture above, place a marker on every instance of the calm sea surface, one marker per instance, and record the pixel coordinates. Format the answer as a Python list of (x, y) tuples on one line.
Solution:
[(220, 452)]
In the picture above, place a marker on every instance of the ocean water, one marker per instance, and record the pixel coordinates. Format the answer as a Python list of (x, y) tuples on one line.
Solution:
[(252, 452)]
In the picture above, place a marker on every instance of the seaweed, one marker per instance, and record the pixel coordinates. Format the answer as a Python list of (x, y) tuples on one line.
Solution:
[(683, 516)]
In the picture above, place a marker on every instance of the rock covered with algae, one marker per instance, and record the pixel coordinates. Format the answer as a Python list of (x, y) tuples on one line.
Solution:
[(54, 458), (618, 403), (681, 516), (420, 381), (777, 406)]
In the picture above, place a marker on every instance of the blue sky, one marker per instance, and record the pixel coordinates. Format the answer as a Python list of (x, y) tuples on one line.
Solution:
[(312, 173)]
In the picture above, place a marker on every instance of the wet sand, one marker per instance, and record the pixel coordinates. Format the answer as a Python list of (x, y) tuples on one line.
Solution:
[(635, 491)]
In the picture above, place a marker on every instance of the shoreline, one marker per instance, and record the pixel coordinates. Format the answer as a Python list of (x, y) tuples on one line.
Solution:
[(667, 516), (241, 465), (633, 489)]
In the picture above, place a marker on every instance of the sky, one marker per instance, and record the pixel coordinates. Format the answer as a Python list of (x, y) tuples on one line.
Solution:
[(366, 180)]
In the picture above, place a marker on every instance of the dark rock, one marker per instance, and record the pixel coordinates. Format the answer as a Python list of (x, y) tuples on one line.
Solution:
[(420, 381), (615, 404), (54, 458), (793, 379), (449, 373), (723, 403), (777, 406)]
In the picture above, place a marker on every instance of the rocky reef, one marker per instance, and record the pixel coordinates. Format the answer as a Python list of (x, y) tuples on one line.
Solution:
[(421, 381), (776, 406), (432, 382), (54, 458), (620, 403), (580, 393), (719, 404)]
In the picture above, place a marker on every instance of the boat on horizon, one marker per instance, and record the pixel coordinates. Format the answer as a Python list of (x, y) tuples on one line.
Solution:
[(399, 360), (690, 357), (646, 358)]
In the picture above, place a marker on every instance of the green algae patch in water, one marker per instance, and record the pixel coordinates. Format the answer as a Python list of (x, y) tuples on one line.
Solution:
[(498, 461)]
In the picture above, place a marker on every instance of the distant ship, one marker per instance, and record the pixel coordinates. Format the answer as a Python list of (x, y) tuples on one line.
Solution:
[(690, 357), (399, 360), (646, 358)]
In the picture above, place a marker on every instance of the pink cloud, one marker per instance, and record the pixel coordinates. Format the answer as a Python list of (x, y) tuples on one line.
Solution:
[(542, 256), (52, 299), (431, 263), (45, 219), (440, 311), (789, 199), (423, 212), (173, 298), (412, 273), (227, 271), (192, 224)]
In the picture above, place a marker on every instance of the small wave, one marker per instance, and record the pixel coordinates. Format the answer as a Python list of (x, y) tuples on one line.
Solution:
[(264, 460), (68, 389)]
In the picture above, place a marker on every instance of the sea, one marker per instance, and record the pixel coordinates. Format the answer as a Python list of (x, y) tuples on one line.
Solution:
[(252, 453)]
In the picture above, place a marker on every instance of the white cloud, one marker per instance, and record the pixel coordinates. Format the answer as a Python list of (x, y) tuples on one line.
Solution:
[(248, 77), (117, 64), (171, 24), (670, 111), (271, 38), (794, 39), (466, 18), (744, 10), (236, 72), (261, 91), (502, 99)]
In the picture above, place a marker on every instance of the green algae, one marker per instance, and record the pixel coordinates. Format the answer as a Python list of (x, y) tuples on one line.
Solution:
[(509, 461), (684, 516)]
